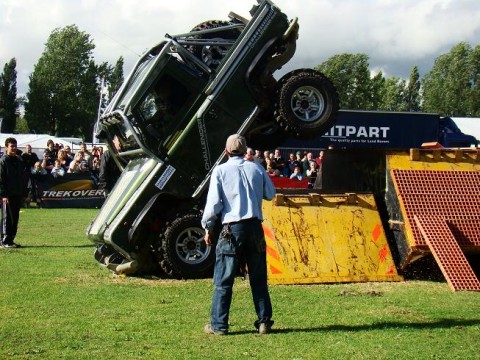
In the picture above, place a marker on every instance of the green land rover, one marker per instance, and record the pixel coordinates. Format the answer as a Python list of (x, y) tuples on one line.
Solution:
[(172, 115)]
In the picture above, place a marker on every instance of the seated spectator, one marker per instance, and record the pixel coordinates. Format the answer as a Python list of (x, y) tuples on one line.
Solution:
[(86, 154), (281, 163), (270, 163), (57, 169), (312, 174), (299, 159), (64, 159), (38, 169), (78, 165), (297, 173), (292, 163), (306, 162), (259, 158), (249, 155), (97, 151), (95, 164), (69, 154), (270, 171), (266, 154)]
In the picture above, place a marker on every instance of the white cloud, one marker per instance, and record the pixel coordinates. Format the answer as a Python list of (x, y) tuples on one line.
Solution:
[(395, 34)]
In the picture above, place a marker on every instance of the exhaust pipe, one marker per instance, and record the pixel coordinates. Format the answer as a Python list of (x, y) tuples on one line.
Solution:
[(124, 268)]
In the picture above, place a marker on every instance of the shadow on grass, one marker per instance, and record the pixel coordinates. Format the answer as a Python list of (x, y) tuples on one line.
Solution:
[(439, 324), (55, 246)]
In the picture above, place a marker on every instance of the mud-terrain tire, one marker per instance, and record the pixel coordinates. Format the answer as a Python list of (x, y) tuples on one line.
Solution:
[(184, 251), (212, 55), (306, 103)]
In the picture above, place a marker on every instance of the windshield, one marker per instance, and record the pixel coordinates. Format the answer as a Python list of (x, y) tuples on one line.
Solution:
[(140, 75), (154, 103), (159, 111)]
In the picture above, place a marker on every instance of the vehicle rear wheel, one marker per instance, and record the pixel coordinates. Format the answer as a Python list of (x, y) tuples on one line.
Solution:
[(307, 103), (212, 54), (185, 253)]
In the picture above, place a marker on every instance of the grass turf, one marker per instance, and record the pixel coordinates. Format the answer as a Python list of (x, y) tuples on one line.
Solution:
[(57, 302)]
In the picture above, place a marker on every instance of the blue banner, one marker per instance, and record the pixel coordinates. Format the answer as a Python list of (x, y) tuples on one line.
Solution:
[(68, 191)]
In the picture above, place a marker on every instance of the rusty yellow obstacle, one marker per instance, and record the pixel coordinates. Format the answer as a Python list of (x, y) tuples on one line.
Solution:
[(325, 238)]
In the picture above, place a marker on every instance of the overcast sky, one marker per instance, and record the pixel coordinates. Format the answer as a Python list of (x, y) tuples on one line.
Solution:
[(395, 34)]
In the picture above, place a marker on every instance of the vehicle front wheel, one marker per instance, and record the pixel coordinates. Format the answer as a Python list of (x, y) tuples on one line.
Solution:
[(307, 103), (185, 253)]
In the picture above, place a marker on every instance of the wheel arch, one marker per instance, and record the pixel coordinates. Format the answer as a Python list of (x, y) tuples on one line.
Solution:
[(162, 206)]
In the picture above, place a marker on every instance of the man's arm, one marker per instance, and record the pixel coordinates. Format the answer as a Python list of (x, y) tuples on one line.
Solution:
[(3, 179), (213, 206)]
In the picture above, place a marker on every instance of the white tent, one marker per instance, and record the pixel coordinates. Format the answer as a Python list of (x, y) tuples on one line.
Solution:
[(38, 141)]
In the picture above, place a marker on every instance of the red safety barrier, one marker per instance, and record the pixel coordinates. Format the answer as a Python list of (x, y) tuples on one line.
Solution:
[(287, 183)]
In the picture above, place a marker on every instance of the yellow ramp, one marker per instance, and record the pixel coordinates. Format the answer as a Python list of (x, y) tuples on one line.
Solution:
[(320, 238)]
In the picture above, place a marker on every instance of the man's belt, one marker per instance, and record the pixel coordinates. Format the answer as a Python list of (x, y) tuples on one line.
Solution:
[(253, 219)]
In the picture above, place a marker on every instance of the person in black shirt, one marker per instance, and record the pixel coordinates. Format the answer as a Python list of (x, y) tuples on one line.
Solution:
[(109, 171), (11, 192), (29, 159), (49, 155)]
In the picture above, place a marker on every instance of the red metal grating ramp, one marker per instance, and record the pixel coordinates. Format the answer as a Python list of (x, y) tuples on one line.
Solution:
[(447, 252), (466, 230), (452, 195)]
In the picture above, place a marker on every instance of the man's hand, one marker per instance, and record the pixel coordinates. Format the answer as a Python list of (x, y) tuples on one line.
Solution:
[(208, 238)]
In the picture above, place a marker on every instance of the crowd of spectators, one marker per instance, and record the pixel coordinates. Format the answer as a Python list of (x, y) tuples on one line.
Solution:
[(58, 160), (299, 165)]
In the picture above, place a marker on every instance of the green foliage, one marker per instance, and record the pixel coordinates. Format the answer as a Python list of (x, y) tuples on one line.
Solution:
[(475, 96), (378, 89), (62, 99), (8, 96), (22, 126), (452, 86), (393, 95), (359, 91), (413, 98), (351, 76), (116, 78), (57, 302), (112, 79)]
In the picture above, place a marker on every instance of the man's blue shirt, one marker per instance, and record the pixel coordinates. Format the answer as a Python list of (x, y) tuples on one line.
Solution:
[(236, 191)]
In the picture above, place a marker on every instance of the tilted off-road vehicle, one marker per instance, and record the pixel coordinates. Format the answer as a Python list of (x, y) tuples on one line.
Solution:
[(172, 116)]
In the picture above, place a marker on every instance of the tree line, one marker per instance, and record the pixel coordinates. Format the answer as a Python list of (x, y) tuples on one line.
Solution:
[(450, 88), (66, 87)]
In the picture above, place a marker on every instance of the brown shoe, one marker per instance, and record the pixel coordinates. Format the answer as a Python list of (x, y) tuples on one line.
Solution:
[(208, 330)]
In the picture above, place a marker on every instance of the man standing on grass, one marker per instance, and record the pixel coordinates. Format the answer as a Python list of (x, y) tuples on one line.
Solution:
[(11, 192), (236, 191)]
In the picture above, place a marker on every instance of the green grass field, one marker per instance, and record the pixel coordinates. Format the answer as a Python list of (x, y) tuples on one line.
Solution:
[(57, 302)]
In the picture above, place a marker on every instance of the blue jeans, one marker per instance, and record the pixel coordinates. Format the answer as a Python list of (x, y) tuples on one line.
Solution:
[(246, 242)]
